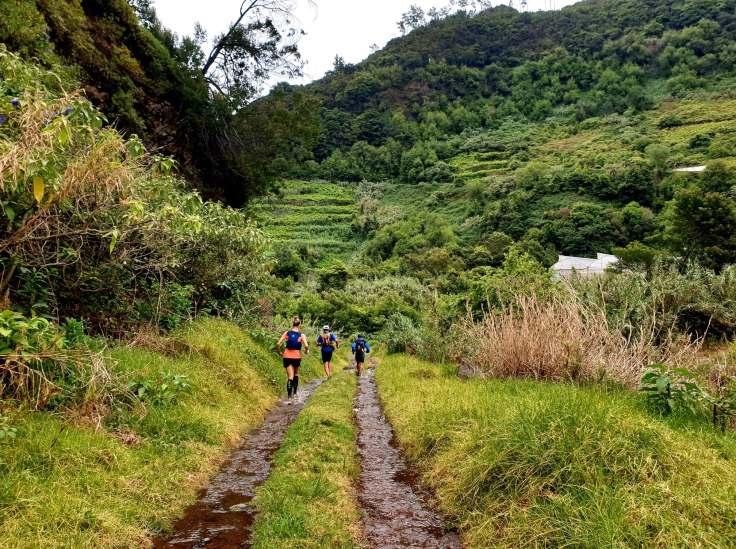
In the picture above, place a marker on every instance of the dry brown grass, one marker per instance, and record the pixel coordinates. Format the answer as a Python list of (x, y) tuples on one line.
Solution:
[(559, 340), (37, 378)]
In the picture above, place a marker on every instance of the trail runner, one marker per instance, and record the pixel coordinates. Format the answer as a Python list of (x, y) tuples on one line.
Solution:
[(360, 348), (293, 341), (327, 342)]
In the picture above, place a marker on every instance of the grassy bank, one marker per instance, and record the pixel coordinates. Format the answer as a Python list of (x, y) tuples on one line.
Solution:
[(519, 463), (67, 482), (308, 501)]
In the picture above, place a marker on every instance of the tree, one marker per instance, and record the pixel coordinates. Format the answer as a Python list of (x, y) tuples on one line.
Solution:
[(412, 19), (702, 225), (145, 12), (637, 221), (658, 156), (260, 42), (283, 125)]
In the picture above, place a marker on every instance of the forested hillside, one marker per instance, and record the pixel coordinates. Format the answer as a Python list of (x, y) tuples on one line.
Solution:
[(555, 130), (151, 82), (464, 73)]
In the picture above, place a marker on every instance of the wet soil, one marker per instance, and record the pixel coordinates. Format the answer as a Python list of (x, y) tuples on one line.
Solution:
[(396, 511), (223, 517)]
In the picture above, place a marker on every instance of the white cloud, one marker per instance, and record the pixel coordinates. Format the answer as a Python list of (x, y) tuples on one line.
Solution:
[(336, 27)]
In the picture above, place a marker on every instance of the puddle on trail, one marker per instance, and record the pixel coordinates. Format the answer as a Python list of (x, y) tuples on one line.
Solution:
[(396, 513), (222, 517)]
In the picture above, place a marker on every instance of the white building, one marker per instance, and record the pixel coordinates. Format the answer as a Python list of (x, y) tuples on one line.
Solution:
[(567, 265)]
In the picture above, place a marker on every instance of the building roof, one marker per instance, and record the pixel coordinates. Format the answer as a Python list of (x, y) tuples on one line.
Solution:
[(691, 169), (567, 264)]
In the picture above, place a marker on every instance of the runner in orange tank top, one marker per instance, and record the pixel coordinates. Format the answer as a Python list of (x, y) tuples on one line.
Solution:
[(293, 340)]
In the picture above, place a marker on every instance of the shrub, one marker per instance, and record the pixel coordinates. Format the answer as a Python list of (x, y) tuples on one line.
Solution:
[(676, 390), (40, 366), (669, 294), (88, 211), (401, 335), (668, 390), (162, 391), (289, 264), (670, 121), (334, 277)]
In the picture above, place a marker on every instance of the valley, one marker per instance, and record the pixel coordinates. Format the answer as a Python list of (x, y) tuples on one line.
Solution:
[(165, 219)]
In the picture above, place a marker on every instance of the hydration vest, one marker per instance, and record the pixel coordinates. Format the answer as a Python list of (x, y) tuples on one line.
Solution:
[(293, 340)]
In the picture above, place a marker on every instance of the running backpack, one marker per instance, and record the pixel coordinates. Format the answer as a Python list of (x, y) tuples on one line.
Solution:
[(293, 340), (328, 342), (360, 345)]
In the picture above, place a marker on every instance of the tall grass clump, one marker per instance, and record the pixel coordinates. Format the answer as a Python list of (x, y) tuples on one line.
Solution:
[(47, 366), (561, 340)]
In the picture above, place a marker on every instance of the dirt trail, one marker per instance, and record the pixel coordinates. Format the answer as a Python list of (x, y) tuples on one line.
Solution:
[(395, 510), (222, 517)]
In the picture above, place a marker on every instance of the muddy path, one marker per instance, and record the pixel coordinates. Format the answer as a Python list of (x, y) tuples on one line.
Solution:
[(223, 517), (396, 512)]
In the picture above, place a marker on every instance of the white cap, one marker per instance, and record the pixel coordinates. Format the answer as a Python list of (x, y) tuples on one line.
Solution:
[(326, 328)]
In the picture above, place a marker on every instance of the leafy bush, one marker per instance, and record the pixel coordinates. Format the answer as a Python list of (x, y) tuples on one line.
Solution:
[(334, 277), (87, 211), (401, 335), (289, 264), (520, 275), (165, 390), (40, 365), (677, 390), (668, 390)]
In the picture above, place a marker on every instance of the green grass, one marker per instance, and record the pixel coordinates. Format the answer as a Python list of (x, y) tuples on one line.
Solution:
[(309, 501), (520, 464), (67, 482)]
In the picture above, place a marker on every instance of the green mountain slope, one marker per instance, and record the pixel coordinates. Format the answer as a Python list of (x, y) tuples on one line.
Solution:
[(559, 131)]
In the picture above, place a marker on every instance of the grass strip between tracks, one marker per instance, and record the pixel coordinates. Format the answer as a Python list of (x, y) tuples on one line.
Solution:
[(309, 499)]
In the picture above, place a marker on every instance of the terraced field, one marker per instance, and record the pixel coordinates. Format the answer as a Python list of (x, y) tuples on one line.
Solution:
[(316, 215), (477, 166), (695, 131)]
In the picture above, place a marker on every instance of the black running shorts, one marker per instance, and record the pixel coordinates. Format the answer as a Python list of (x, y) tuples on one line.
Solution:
[(360, 357), (326, 356), (295, 362)]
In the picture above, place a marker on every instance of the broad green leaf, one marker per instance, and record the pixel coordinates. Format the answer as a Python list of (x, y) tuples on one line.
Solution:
[(64, 136), (113, 236), (39, 187), (662, 384)]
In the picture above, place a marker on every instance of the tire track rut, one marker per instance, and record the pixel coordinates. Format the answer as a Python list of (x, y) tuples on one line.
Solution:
[(223, 515), (396, 512)]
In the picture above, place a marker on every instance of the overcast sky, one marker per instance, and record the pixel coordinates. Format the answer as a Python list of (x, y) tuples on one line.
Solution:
[(336, 27)]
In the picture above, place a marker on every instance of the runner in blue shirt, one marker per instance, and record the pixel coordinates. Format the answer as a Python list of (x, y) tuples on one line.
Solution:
[(327, 341), (360, 348)]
